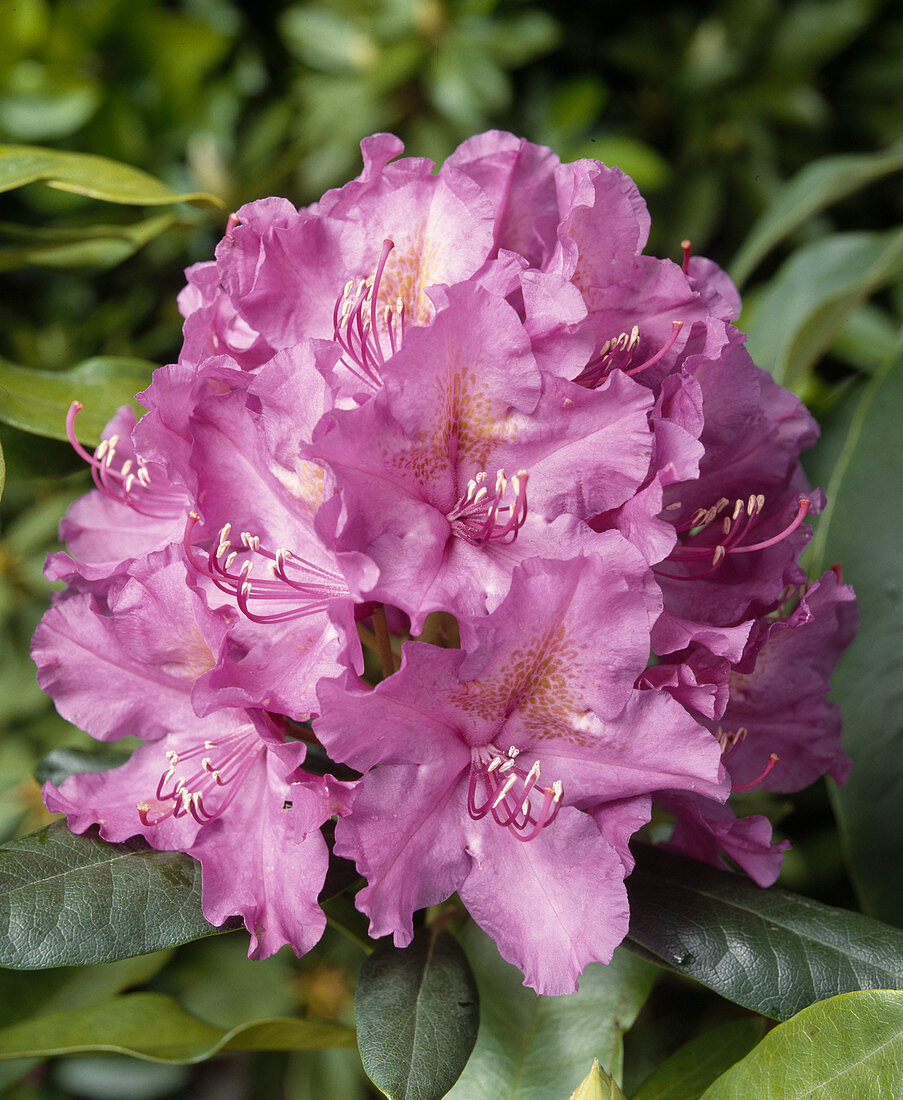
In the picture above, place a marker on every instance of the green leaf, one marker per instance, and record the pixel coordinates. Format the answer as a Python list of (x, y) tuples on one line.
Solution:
[(862, 529), (813, 189), (796, 317), (87, 174), (417, 1016), (38, 401), (533, 1048), (743, 942), (59, 764), (597, 1086), (2, 470), (689, 1072), (156, 1027), (99, 246), (68, 900), (848, 1046)]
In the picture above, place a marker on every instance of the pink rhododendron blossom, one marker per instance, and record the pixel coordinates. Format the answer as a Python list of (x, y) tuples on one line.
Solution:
[(456, 416)]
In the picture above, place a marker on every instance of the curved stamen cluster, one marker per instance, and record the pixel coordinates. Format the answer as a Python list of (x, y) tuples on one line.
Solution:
[(356, 327), (291, 579), (208, 791), (130, 481), (735, 525), (512, 796), (617, 354), (730, 740), (484, 515)]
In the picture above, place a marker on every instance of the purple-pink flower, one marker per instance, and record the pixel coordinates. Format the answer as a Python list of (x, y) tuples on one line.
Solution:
[(459, 419)]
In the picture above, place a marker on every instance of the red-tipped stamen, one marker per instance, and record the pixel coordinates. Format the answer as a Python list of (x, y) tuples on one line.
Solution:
[(767, 770), (132, 482), (510, 793), (495, 515), (308, 588), (804, 507), (686, 248)]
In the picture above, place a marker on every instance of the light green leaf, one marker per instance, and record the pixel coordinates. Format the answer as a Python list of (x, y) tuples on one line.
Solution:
[(862, 529), (2, 471), (597, 1086), (533, 1048), (68, 900), (100, 246), (689, 1072), (87, 174), (721, 929), (849, 1046), (38, 401), (796, 317), (156, 1027), (417, 1016), (816, 187)]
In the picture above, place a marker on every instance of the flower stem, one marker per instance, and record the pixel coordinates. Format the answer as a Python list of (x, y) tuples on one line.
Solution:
[(383, 641)]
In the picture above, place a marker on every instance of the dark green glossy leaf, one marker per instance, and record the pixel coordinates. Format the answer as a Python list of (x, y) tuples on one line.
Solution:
[(59, 764), (849, 1046), (155, 1026), (99, 246), (688, 1073), (862, 529), (38, 401), (768, 950), (87, 174), (797, 316), (819, 184), (533, 1048), (417, 1016), (68, 900)]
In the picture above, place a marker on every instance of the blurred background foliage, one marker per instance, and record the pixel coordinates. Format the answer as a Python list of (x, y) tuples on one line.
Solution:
[(711, 107)]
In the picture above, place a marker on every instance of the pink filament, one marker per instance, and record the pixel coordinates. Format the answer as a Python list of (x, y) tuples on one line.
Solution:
[(767, 770), (509, 810)]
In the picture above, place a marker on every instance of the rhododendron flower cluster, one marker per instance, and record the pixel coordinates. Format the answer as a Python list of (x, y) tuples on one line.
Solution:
[(462, 528)]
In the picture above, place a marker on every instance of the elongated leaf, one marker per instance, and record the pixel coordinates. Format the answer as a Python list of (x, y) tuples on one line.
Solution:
[(68, 900), (100, 246), (816, 187), (688, 1073), (37, 401), (862, 529), (2, 470), (417, 1016), (87, 174), (156, 1027), (799, 313), (59, 764), (534, 1048), (846, 1047), (597, 1086), (768, 950)]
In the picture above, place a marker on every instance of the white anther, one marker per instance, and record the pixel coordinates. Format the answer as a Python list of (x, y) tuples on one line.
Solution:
[(760, 502), (507, 766), (673, 507), (557, 790), (143, 476), (172, 757), (207, 764), (751, 504), (126, 467), (506, 787), (726, 524), (532, 774), (210, 745), (129, 482), (512, 752), (494, 763), (228, 563), (738, 509), (719, 555), (101, 449)]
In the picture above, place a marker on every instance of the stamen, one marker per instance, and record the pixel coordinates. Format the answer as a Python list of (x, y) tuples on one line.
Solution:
[(357, 327), (767, 770), (525, 812), (201, 793), (477, 517), (132, 483), (617, 353), (734, 528), (306, 588), (686, 248)]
